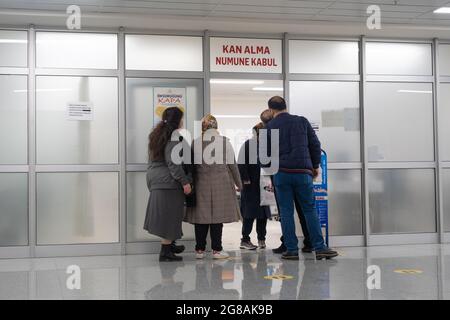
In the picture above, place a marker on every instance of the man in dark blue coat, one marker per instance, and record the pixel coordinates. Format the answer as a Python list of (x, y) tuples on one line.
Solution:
[(299, 159), (266, 116)]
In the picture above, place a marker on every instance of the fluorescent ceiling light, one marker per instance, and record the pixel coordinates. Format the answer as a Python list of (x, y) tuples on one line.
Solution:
[(414, 91), (226, 81), (442, 10), (13, 41), (44, 90), (237, 116), (268, 89)]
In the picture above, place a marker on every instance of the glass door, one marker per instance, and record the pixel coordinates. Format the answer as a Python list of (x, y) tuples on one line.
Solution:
[(146, 100)]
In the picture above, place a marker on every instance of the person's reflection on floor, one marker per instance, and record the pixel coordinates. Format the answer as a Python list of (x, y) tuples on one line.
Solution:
[(315, 284), (288, 289), (254, 286), (221, 270), (168, 289)]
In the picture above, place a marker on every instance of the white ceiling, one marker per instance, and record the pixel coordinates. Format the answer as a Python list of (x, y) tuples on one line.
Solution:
[(401, 11), (135, 13)]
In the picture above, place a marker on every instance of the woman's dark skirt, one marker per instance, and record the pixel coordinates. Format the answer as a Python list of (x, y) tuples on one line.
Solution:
[(165, 212)]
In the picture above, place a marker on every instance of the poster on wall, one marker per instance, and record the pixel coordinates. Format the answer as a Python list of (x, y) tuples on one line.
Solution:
[(80, 111), (165, 98), (246, 55)]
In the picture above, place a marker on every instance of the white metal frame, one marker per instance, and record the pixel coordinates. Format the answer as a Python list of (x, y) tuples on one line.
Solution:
[(416, 238), (336, 240), (122, 167), (441, 79)]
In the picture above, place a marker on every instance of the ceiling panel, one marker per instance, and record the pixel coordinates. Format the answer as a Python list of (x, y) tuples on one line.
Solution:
[(419, 12)]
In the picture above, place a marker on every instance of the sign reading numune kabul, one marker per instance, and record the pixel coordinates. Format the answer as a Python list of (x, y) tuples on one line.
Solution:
[(246, 55)]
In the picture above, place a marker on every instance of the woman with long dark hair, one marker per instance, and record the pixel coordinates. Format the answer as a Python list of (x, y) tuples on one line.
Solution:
[(168, 183)]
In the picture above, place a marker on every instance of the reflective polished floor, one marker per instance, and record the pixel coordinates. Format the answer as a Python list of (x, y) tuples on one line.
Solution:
[(407, 272)]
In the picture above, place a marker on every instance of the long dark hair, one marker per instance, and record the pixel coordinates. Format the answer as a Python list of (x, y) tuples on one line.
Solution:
[(160, 135)]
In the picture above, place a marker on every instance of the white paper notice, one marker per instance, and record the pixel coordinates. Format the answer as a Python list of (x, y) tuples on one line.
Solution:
[(316, 126), (80, 111)]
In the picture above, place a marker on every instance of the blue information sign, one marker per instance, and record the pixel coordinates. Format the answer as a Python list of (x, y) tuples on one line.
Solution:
[(321, 193)]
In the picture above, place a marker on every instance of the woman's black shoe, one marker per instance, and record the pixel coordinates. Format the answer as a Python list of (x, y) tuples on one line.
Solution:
[(282, 248), (167, 254), (289, 255), (177, 249)]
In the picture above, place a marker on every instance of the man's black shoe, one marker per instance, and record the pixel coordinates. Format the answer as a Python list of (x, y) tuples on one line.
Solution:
[(289, 255), (306, 249), (176, 248), (326, 253), (282, 248)]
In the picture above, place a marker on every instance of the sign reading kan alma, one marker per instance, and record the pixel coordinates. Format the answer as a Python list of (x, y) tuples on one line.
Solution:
[(246, 55)]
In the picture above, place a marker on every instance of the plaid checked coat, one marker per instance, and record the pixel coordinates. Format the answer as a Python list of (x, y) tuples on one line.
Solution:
[(214, 182)]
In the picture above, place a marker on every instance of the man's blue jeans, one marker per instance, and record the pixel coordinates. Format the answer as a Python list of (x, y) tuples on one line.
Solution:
[(299, 185)]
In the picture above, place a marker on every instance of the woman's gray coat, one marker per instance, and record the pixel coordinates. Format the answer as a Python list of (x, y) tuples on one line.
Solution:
[(165, 209)]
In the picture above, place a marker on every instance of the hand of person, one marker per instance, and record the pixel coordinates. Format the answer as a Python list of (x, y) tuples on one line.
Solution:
[(316, 173), (269, 188), (238, 189), (247, 182), (187, 189)]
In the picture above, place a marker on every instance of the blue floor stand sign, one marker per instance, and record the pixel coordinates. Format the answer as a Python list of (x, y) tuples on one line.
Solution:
[(321, 194)]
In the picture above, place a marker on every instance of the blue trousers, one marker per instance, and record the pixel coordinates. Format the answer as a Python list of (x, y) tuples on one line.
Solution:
[(297, 185)]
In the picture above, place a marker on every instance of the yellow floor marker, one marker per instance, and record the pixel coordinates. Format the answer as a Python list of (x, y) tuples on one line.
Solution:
[(408, 271), (278, 277)]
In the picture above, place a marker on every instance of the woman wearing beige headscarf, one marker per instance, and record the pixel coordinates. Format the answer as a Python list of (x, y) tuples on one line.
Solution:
[(215, 181)]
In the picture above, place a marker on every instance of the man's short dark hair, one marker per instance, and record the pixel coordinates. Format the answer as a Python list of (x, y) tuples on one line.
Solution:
[(277, 103)]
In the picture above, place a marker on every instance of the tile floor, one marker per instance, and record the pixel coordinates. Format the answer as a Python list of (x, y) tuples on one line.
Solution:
[(240, 277)]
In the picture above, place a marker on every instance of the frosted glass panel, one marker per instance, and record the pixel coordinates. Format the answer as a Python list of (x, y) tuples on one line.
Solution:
[(77, 208), (169, 53), (13, 48), (444, 120), (412, 59), (137, 198), (332, 57), (402, 201), (399, 114), (446, 192), (76, 50), (13, 209), (444, 59), (13, 119), (140, 110), (62, 140), (334, 107), (345, 206)]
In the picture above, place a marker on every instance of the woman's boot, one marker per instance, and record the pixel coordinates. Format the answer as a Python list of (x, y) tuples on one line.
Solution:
[(167, 254), (177, 249)]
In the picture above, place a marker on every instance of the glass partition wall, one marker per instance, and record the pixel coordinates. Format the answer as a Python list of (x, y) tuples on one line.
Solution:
[(443, 110), (400, 146), (74, 123), (324, 86)]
